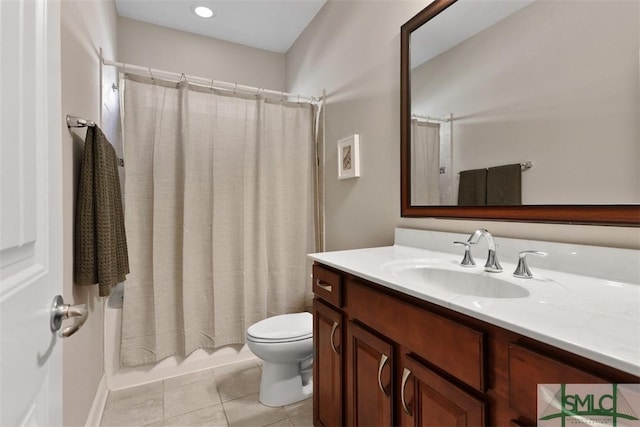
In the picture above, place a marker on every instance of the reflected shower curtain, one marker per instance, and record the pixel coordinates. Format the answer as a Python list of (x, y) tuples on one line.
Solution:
[(219, 211), (425, 163)]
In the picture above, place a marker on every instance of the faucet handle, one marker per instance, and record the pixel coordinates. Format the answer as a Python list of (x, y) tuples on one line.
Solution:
[(522, 270), (467, 260)]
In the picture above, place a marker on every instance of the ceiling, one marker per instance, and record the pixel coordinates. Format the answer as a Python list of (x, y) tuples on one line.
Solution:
[(457, 23), (272, 25)]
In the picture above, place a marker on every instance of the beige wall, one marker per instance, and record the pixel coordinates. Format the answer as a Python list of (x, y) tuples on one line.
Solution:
[(352, 48), (166, 49), (85, 27), (565, 98)]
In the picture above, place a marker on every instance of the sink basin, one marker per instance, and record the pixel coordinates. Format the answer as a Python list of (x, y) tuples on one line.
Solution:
[(472, 283)]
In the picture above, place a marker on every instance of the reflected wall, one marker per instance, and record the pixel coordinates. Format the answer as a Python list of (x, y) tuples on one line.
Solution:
[(555, 84)]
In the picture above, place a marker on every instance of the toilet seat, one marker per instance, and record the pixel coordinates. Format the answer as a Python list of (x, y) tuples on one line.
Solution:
[(285, 345), (283, 328)]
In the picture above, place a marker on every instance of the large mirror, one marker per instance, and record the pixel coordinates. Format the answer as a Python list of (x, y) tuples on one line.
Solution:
[(524, 110)]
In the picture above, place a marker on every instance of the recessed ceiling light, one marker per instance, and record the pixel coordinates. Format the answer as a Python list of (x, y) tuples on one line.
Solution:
[(203, 12)]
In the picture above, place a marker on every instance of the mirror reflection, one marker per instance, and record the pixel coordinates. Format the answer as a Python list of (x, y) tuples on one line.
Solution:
[(526, 102)]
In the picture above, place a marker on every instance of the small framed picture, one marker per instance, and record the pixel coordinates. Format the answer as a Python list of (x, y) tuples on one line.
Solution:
[(349, 157)]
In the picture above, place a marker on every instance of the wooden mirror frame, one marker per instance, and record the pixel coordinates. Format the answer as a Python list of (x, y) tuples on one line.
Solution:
[(621, 215)]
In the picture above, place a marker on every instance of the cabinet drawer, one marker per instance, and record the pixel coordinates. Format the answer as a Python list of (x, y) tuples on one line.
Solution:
[(327, 285), (527, 369), (454, 348)]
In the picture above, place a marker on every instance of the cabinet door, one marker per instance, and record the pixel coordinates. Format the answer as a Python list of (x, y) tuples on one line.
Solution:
[(369, 378), (427, 399), (327, 365), (527, 369)]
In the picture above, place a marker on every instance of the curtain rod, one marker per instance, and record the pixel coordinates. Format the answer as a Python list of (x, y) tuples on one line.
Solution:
[(204, 82), (432, 118)]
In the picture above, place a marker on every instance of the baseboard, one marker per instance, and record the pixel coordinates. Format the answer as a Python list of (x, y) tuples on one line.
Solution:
[(120, 378), (99, 401)]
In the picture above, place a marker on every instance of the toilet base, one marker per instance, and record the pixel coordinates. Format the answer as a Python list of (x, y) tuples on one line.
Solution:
[(281, 384)]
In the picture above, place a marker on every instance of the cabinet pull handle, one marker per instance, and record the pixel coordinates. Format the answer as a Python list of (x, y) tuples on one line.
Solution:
[(333, 332), (383, 361), (405, 377), (323, 285)]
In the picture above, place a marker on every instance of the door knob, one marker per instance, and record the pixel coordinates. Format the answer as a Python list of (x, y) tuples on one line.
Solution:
[(61, 311)]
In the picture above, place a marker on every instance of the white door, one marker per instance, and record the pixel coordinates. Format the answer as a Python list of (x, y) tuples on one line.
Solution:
[(30, 212)]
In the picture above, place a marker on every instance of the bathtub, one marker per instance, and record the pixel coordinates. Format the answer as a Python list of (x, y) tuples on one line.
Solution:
[(118, 377)]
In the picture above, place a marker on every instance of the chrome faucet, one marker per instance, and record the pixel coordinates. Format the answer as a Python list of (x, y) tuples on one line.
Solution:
[(467, 261), (522, 270), (492, 265)]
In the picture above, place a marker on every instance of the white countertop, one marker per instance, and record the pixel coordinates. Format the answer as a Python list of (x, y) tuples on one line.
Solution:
[(592, 317)]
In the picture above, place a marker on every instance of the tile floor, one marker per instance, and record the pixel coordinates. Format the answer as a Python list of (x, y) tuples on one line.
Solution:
[(223, 396)]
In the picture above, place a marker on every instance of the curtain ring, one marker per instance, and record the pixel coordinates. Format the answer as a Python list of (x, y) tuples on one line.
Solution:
[(182, 76), (257, 92), (211, 84), (235, 88), (151, 74)]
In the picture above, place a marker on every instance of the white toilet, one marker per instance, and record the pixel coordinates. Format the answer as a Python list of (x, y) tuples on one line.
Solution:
[(285, 345)]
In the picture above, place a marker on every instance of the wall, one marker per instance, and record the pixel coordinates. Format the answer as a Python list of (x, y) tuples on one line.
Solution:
[(166, 49), (352, 49), (563, 93), (85, 27)]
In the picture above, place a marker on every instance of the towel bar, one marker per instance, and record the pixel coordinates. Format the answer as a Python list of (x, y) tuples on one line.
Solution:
[(524, 166), (78, 122)]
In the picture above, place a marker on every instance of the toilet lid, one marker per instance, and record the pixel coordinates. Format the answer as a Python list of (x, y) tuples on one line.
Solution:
[(286, 327)]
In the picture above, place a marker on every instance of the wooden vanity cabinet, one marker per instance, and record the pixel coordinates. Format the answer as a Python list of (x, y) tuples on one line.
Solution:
[(528, 368), (384, 358), (368, 378), (428, 399), (327, 365), (328, 330)]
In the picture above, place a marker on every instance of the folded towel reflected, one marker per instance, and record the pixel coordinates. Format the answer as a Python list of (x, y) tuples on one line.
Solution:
[(504, 185), (472, 188), (100, 250)]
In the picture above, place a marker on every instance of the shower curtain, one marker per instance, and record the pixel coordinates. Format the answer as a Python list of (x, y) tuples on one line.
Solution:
[(219, 211), (425, 163)]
